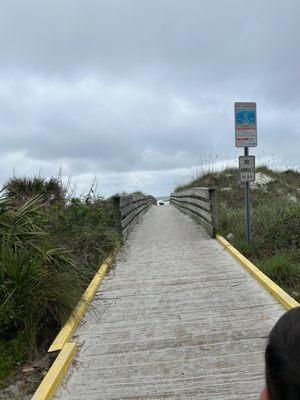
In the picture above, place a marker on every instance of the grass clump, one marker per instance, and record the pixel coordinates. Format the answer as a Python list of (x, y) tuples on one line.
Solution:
[(51, 246), (87, 227), (21, 189), (284, 268), (38, 281)]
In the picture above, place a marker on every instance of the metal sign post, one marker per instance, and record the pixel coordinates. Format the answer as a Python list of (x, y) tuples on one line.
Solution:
[(246, 136), (248, 204)]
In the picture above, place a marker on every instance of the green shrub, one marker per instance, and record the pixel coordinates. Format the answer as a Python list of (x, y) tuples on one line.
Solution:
[(275, 225), (38, 282), (12, 351), (51, 246), (22, 189), (88, 228), (283, 268)]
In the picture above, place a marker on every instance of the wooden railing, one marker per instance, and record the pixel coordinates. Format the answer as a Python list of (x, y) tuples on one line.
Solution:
[(198, 203), (131, 208)]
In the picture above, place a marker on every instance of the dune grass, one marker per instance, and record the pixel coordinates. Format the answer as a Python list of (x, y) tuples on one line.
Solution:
[(51, 246)]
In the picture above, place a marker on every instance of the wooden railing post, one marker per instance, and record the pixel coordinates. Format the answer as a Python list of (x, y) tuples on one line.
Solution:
[(214, 210), (117, 211)]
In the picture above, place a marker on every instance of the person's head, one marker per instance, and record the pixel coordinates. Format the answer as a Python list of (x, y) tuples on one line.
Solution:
[(282, 358)]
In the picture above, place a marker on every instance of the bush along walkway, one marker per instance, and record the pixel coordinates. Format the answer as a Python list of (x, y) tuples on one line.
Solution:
[(51, 246)]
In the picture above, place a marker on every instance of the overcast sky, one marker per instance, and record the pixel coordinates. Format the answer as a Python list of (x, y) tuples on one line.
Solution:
[(140, 93)]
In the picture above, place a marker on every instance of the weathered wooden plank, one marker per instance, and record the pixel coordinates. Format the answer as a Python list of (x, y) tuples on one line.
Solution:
[(137, 197), (124, 205), (209, 228), (129, 222), (203, 204), (177, 318), (132, 207), (126, 210), (130, 216), (199, 211), (125, 199), (128, 229), (126, 221), (139, 202), (144, 208), (196, 191), (195, 210), (193, 200)]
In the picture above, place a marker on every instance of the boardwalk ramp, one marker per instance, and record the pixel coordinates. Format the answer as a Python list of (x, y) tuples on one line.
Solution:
[(176, 318)]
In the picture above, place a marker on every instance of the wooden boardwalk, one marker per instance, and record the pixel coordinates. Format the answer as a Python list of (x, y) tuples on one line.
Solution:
[(177, 318)]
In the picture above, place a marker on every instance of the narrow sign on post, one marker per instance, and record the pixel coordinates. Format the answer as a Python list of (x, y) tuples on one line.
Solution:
[(246, 136), (245, 124), (247, 168)]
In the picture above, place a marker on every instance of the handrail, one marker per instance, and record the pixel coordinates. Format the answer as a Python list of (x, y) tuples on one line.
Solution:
[(198, 203), (130, 208)]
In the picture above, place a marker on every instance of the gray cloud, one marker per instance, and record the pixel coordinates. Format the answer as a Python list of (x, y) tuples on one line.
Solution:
[(134, 91)]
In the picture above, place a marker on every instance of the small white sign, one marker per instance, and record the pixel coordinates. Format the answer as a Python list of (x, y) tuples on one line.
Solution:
[(247, 168), (245, 124)]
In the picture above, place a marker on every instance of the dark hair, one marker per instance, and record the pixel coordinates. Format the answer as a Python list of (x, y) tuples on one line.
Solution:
[(283, 357)]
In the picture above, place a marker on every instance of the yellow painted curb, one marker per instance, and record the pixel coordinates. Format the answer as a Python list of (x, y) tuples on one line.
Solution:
[(285, 299), (74, 319), (56, 373)]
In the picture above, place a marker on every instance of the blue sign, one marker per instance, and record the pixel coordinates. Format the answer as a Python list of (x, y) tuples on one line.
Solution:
[(245, 124), (245, 117)]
